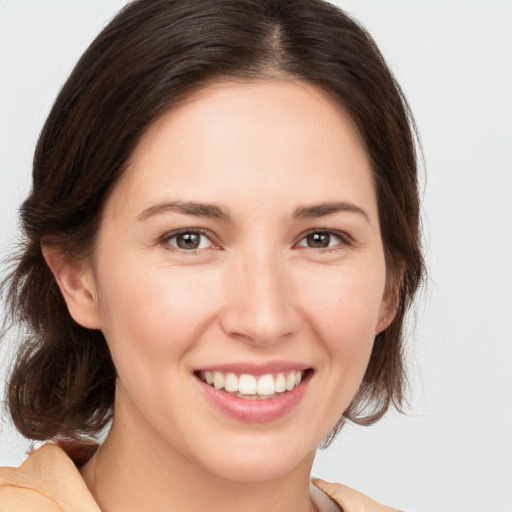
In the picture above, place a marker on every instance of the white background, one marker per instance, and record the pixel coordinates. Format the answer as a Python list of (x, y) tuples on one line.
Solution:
[(453, 452)]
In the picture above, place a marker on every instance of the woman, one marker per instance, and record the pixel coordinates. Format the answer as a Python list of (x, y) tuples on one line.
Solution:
[(221, 245)]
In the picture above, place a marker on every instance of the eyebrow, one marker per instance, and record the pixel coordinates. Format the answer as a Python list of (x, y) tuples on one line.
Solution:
[(214, 211), (187, 208), (324, 209)]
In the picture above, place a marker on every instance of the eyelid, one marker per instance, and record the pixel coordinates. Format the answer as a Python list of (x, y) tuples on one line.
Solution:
[(342, 236), (164, 239)]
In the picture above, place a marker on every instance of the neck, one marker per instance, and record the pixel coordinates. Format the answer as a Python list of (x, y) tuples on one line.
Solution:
[(126, 474)]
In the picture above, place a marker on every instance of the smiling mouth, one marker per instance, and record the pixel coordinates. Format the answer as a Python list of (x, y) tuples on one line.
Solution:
[(251, 387)]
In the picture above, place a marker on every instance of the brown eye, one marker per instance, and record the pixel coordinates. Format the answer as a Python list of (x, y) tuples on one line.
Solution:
[(189, 240), (318, 240), (322, 240)]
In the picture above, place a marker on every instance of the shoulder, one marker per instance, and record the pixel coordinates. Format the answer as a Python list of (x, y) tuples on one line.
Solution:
[(48, 481), (18, 499), (349, 499)]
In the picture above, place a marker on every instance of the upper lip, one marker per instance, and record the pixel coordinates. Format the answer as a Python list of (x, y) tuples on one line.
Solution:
[(256, 369)]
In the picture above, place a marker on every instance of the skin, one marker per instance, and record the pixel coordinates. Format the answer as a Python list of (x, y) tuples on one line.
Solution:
[(254, 290)]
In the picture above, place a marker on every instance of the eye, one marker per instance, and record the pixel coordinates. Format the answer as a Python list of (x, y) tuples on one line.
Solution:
[(189, 240), (323, 239)]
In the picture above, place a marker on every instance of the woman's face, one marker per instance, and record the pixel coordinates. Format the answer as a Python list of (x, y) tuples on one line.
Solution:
[(241, 246)]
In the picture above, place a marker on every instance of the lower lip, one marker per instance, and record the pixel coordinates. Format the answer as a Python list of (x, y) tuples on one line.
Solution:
[(255, 411)]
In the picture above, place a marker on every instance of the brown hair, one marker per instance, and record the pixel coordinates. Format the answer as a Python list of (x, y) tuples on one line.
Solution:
[(152, 54)]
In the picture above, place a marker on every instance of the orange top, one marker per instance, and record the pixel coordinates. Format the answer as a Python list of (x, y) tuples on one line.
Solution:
[(49, 481)]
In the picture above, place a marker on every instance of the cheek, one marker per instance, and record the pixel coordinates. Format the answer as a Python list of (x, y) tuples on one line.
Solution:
[(153, 312), (344, 311), (342, 307)]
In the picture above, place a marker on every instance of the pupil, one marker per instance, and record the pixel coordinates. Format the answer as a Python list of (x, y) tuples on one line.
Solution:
[(318, 240), (188, 241)]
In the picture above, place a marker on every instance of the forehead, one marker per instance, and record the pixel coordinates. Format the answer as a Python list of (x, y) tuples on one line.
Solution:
[(247, 140), (254, 106)]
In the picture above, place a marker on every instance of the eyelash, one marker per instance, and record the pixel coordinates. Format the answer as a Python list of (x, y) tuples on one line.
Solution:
[(343, 239), (166, 239)]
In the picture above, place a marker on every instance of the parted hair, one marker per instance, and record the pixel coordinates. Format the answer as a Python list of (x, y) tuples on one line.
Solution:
[(150, 56)]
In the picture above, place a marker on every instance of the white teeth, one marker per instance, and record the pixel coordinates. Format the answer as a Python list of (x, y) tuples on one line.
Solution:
[(290, 381), (231, 383), (218, 380), (280, 383), (266, 385), (247, 384), (251, 387)]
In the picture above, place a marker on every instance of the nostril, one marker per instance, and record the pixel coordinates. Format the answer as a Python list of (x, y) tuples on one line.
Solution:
[(260, 327)]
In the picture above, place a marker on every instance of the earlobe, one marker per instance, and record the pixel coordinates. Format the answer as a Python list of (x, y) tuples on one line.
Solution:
[(389, 304), (383, 323), (76, 283)]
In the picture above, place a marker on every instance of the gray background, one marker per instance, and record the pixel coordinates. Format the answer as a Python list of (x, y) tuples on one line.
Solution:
[(453, 452)]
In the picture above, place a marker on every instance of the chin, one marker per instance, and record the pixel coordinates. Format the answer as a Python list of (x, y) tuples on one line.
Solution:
[(252, 469), (259, 458)]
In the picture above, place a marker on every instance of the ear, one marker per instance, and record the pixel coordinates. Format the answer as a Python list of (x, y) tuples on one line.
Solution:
[(390, 300), (77, 285)]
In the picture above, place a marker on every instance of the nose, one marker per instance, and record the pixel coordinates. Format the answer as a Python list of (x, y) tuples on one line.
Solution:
[(259, 305)]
